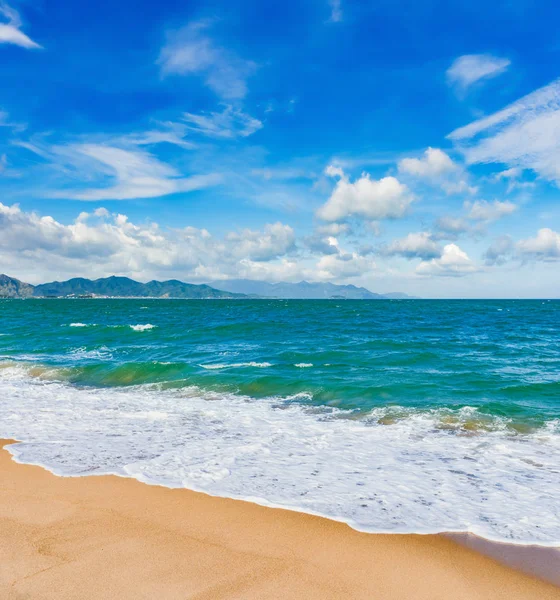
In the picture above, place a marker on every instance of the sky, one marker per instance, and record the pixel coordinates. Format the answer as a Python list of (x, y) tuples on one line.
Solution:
[(397, 145)]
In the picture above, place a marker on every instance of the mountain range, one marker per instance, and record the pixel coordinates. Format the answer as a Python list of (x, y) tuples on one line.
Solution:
[(302, 290), (110, 286), (124, 287)]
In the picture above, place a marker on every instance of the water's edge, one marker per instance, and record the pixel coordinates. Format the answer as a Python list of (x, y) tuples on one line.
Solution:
[(458, 535), (537, 560)]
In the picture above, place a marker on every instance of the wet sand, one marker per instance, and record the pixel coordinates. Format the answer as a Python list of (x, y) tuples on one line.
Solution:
[(105, 537)]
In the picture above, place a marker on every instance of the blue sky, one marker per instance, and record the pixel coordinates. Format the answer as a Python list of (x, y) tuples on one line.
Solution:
[(410, 146)]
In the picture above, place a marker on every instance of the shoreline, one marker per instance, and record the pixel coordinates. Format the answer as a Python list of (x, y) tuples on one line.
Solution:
[(107, 536), (480, 543)]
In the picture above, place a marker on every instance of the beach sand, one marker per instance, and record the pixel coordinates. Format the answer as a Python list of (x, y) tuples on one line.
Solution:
[(108, 537)]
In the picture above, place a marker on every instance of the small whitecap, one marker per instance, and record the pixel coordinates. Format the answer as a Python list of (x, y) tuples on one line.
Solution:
[(303, 365), (142, 327), (79, 325)]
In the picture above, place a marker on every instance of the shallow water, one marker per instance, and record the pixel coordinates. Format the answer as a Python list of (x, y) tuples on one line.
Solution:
[(395, 416)]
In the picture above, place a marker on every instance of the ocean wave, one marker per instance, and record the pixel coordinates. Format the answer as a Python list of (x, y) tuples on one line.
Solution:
[(391, 469), (82, 325), (145, 327), (102, 353), (217, 366), (303, 365)]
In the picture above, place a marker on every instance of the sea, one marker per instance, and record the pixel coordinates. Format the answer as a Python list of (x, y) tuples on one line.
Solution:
[(394, 416)]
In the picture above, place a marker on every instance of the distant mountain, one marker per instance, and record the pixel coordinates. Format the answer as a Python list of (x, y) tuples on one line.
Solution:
[(302, 290), (110, 286), (14, 288), (123, 287)]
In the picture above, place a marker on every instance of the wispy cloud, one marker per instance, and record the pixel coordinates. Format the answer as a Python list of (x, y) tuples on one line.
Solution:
[(230, 123), (470, 68), (10, 29), (118, 168), (525, 134), (191, 51), (136, 175), (336, 11)]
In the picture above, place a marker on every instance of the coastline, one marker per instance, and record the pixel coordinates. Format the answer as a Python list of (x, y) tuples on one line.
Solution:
[(108, 536)]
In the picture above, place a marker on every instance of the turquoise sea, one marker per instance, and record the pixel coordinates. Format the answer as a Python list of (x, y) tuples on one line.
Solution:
[(394, 416)]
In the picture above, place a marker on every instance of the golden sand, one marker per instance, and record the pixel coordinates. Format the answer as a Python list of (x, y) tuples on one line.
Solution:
[(114, 538)]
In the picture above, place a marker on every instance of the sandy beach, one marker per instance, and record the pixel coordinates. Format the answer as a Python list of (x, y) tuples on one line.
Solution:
[(110, 537)]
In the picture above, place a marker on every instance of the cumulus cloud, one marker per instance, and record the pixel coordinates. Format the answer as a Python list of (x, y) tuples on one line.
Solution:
[(453, 262), (10, 29), (434, 163), (437, 167), (275, 241), (415, 245), (343, 266), (500, 250), (450, 227), (386, 198), (544, 246), (470, 68), (230, 123), (191, 51), (478, 215), (100, 243), (524, 135), (481, 210)]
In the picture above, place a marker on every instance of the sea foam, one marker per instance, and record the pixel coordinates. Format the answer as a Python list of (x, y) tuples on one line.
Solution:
[(145, 327), (390, 470)]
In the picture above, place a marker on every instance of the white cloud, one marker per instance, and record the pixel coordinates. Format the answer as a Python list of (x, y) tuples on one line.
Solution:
[(275, 241), (453, 262), (415, 245), (451, 227), (499, 251), (333, 228), (438, 167), (470, 68), (434, 164), (99, 243), (138, 175), (481, 210), (336, 11), (10, 32), (191, 51), (545, 246), (368, 198), (115, 173), (230, 123), (525, 134), (343, 266), (513, 173)]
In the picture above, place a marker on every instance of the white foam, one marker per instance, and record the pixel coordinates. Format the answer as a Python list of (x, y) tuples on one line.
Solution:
[(82, 325), (145, 327), (78, 354), (425, 472), (303, 365), (215, 366)]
